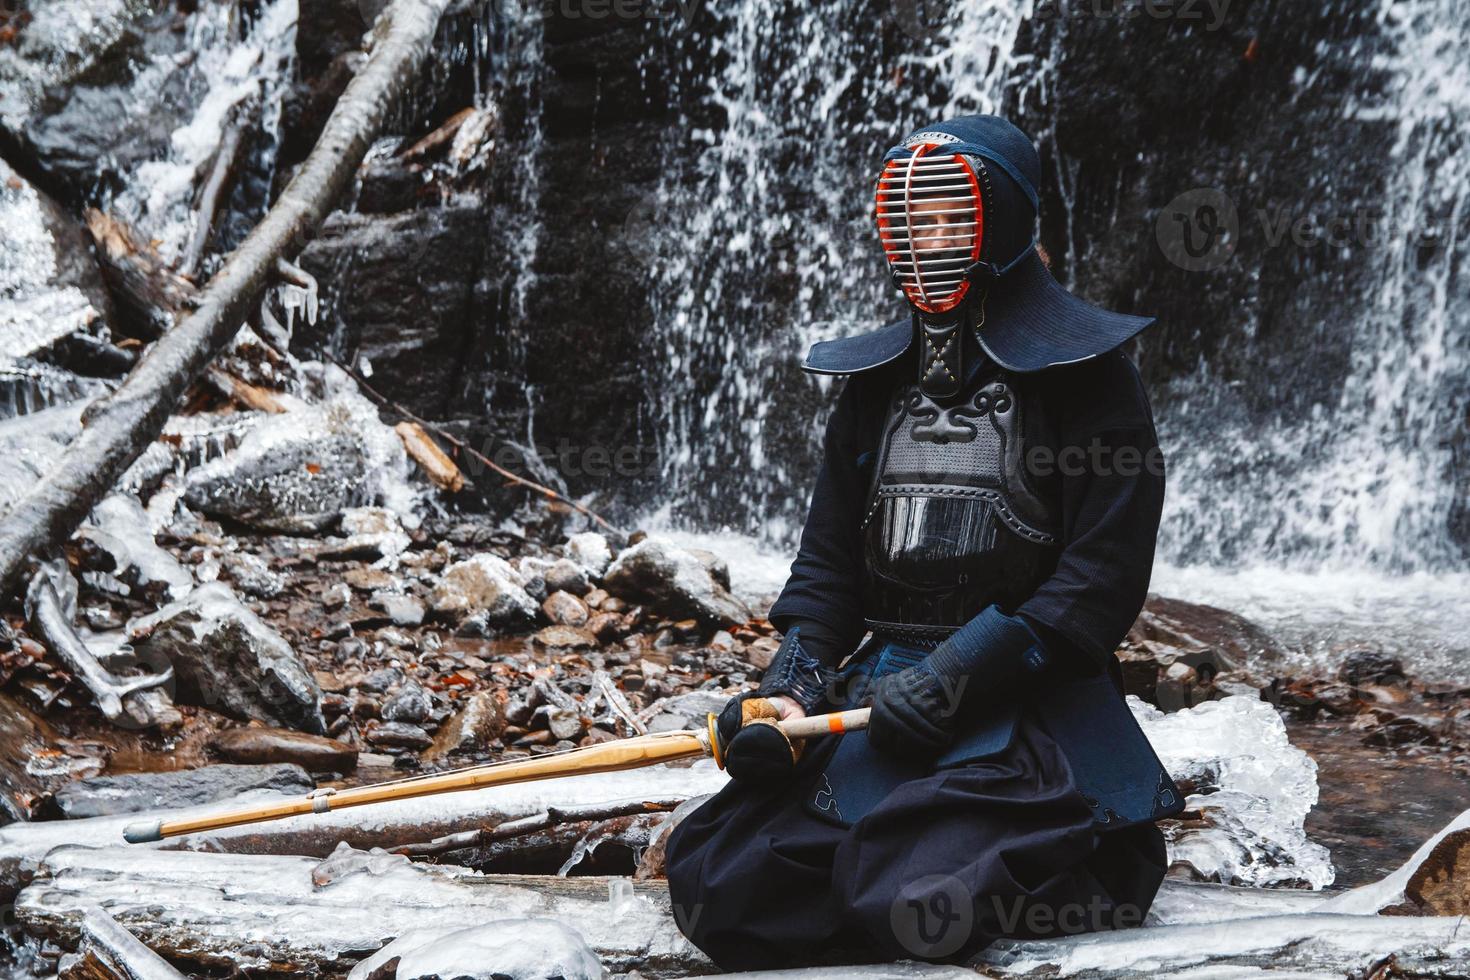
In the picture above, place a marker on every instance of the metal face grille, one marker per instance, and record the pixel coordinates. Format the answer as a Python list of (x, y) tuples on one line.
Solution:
[(930, 219)]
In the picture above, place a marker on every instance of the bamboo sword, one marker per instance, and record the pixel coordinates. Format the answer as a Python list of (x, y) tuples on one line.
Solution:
[(628, 753)]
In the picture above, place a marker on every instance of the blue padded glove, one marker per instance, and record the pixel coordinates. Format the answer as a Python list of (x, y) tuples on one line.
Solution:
[(917, 711), (797, 674)]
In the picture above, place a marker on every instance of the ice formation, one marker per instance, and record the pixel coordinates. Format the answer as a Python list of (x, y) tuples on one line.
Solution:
[(1253, 785)]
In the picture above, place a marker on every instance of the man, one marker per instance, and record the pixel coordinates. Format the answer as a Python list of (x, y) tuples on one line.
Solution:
[(987, 507)]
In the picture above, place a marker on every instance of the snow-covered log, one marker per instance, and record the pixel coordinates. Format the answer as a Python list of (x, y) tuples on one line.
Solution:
[(1310, 945), (1432, 882), (121, 425), (248, 913), (385, 825)]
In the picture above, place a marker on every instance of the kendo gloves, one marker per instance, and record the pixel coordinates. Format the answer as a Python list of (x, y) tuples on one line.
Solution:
[(919, 710), (752, 747)]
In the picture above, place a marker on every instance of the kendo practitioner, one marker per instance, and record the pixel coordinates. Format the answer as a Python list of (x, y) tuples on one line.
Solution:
[(986, 508)]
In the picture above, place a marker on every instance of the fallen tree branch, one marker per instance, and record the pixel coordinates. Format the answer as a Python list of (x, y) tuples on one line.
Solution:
[(149, 294), (214, 188), (120, 426), (114, 696), (550, 817), (463, 447), (439, 468), (247, 394), (107, 951)]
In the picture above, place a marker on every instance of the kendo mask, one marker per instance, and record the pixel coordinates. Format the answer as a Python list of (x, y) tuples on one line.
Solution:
[(955, 213), (956, 208)]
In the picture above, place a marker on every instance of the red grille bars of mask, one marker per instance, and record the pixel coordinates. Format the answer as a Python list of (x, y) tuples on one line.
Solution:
[(930, 220)]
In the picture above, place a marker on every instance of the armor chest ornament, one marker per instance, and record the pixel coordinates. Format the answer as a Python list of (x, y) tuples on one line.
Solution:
[(953, 524)]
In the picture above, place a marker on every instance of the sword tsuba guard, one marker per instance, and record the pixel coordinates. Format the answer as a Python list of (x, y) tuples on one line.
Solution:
[(715, 749)]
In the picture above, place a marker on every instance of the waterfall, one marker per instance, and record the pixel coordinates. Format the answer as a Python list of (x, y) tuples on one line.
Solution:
[(760, 231), (761, 244), (1372, 480)]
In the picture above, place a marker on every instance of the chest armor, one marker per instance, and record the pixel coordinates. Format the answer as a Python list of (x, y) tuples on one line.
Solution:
[(953, 524)]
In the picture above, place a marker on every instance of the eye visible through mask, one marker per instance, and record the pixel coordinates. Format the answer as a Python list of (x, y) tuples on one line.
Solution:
[(931, 222)]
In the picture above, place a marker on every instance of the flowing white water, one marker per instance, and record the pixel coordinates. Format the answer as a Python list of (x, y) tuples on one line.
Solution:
[(1368, 482), (237, 69), (762, 247)]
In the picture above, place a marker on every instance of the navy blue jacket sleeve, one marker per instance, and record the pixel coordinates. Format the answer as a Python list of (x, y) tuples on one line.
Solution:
[(1111, 478), (825, 586)]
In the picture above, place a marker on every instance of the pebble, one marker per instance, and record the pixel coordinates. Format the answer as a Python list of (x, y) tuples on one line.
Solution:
[(404, 610), (380, 680), (258, 746), (399, 735), (605, 626), (566, 575), (368, 579), (565, 609), (410, 704), (565, 636)]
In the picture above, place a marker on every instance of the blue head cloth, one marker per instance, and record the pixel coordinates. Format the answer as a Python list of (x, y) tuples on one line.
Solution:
[(1031, 322)]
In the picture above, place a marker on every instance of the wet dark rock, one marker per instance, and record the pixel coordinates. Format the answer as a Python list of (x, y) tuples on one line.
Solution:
[(227, 659), (565, 575), (410, 704), (261, 746), (399, 735), (1371, 667), (405, 295), (133, 792), (518, 711), (675, 581), (65, 101)]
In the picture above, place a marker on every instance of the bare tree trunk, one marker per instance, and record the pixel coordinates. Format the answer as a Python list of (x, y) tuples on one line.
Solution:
[(121, 425)]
